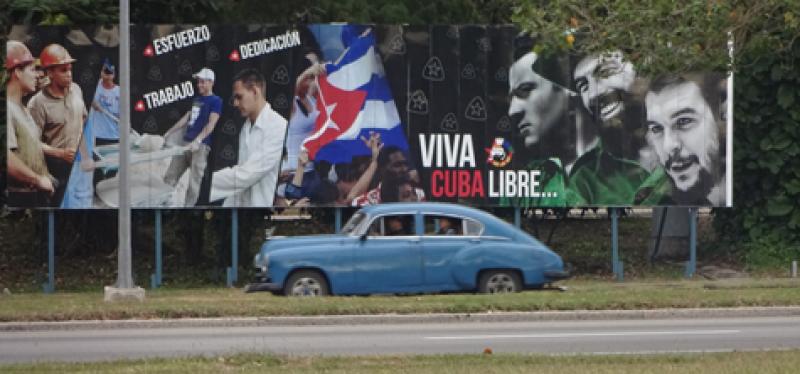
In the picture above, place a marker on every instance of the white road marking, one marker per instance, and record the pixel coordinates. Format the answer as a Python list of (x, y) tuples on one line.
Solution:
[(584, 334)]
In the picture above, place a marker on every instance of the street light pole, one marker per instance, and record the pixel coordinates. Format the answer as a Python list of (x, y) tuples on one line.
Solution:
[(124, 287)]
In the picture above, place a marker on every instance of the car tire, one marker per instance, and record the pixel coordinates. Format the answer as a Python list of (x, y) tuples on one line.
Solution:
[(499, 281), (306, 283)]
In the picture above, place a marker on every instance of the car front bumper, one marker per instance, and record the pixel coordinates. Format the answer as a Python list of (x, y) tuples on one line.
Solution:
[(557, 275)]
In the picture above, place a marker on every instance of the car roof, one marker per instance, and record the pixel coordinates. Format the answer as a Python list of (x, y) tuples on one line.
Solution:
[(430, 208), (492, 224)]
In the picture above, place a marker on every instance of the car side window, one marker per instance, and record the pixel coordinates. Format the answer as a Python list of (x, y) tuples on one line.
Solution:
[(393, 225), (436, 225), (472, 228)]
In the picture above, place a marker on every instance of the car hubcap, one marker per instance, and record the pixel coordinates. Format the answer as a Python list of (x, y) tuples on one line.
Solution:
[(500, 283), (306, 287)]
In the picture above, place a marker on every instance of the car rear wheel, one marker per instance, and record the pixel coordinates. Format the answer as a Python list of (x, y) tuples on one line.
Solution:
[(306, 283), (499, 281)]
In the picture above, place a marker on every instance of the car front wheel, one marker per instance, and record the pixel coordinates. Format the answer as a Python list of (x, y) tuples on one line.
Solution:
[(308, 283), (499, 281)]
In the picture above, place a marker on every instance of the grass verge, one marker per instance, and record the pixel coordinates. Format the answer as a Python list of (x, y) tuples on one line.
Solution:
[(582, 295), (735, 362)]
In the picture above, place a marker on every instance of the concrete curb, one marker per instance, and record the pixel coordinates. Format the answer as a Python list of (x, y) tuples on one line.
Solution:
[(784, 311)]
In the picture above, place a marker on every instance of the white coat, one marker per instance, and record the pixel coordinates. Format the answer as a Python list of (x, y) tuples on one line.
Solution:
[(252, 182)]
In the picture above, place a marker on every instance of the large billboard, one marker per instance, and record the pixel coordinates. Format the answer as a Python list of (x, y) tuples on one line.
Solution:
[(348, 115)]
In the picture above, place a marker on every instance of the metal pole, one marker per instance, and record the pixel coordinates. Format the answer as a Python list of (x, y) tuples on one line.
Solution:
[(517, 218), (338, 220), (616, 264), (794, 269), (124, 278), (124, 286), (692, 264), (232, 271), (51, 254)]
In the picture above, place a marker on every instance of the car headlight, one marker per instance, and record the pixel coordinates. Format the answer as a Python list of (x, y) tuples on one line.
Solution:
[(261, 260)]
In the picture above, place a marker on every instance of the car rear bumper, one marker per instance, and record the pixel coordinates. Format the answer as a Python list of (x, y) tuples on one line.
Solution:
[(255, 287)]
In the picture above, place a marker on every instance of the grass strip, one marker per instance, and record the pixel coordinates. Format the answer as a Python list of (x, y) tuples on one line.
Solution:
[(224, 302), (764, 362)]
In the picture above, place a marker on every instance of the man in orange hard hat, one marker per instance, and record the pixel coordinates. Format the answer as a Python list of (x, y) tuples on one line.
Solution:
[(60, 113), (30, 183)]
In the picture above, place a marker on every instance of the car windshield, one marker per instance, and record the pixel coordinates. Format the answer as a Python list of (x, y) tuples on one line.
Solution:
[(353, 222)]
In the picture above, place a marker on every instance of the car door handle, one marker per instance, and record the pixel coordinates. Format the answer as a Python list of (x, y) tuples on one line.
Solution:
[(414, 240), (475, 240)]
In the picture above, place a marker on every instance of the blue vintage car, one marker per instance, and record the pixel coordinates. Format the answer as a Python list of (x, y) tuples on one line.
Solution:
[(408, 248)]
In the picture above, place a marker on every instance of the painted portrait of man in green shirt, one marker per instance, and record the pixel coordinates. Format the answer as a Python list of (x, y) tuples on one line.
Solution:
[(562, 139)]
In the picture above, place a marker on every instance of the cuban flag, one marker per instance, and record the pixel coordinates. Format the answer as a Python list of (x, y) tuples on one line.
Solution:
[(353, 100)]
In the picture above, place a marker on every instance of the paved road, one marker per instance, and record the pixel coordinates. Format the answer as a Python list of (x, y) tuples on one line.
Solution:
[(548, 337)]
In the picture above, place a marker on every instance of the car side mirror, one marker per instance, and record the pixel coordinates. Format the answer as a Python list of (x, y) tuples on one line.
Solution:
[(363, 237)]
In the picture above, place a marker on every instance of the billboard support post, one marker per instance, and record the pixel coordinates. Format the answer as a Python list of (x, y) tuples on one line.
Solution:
[(692, 264), (155, 278), (616, 264), (124, 287), (232, 271), (50, 286), (338, 220), (517, 217)]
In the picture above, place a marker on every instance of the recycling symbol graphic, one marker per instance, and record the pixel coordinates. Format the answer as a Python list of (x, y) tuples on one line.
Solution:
[(476, 109), (504, 124), (501, 75), (185, 68), (468, 72), (154, 74), (150, 125), (433, 70), (228, 153), (449, 122), (418, 103), (397, 46), (280, 75), (484, 45), (212, 53), (281, 102), (229, 128)]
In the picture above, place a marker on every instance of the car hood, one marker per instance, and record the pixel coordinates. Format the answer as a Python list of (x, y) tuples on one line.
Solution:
[(275, 243)]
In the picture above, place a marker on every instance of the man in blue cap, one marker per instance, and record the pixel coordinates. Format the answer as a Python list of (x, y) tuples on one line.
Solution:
[(105, 107), (195, 128)]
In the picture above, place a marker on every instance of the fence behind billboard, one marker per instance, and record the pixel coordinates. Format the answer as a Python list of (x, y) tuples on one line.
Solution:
[(349, 115)]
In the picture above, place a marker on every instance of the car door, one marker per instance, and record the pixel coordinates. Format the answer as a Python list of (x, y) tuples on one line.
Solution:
[(389, 260), (444, 236)]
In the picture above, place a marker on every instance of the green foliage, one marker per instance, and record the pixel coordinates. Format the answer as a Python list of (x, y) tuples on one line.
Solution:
[(369, 11), (662, 35), (770, 251), (64, 12), (766, 149)]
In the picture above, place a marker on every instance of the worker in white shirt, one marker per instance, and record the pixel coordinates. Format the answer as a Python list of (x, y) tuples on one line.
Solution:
[(252, 181)]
